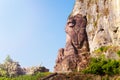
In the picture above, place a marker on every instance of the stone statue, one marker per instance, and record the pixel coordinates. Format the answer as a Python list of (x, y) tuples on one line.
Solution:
[(76, 34), (75, 53)]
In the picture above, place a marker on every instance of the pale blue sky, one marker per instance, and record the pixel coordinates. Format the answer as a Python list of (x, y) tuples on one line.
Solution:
[(32, 31)]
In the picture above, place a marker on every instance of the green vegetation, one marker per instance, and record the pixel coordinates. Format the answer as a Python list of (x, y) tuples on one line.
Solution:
[(27, 77), (11, 70), (118, 53), (103, 66), (100, 68), (8, 59), (102, 49)]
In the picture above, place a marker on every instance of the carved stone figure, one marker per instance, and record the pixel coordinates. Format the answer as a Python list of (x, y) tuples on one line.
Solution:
[(71, 57), (76, 34)]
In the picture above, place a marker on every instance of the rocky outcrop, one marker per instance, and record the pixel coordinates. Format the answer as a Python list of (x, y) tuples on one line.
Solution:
[(75, 54), (34, 69), (11, 68), (78, 76), (103, 21), (91, 25)]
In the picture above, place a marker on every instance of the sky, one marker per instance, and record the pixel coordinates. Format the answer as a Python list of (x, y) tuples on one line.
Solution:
[(32, 31)]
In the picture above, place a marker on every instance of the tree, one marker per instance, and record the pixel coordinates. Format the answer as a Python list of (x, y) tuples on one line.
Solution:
[(11, 67), (8, 59)]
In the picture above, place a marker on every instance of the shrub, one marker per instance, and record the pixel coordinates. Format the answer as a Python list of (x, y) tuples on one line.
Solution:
[(102, 49), (103, 66), (118, 52)]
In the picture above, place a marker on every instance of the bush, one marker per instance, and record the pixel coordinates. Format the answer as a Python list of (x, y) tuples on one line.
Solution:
[(102, 49), (103, 66), (118, 52)]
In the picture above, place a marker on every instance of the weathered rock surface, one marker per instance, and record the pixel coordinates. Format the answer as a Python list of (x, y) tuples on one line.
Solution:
[(75, 54), (91, 25), (11, 68), (103, 21), (34, 69), (78, 76)]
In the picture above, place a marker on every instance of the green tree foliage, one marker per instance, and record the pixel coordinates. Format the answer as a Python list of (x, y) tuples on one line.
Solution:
[(3, 72), (8, 59), (103, 66)]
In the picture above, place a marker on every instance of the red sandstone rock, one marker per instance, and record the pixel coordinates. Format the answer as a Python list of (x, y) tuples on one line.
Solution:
[(75, 54)]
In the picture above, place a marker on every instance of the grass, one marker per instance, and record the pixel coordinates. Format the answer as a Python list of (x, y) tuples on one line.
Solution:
[(27, 77)]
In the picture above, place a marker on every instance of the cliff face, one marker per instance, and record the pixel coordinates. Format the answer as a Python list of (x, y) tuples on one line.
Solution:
[(103, 21), (91, 25)]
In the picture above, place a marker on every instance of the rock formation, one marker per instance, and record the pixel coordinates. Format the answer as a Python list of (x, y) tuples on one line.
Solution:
[(34, 69), (91, 25), (12, 68), (103, 21), (75, 54)]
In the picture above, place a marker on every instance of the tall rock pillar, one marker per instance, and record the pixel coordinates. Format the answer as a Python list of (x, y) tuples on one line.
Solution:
[(75, 54)]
